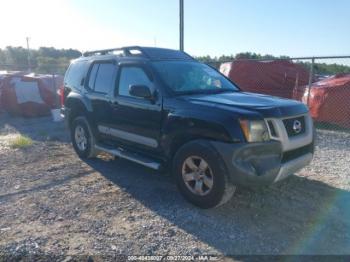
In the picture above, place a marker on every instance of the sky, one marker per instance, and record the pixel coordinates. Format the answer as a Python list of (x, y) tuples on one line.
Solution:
[(212, 27)]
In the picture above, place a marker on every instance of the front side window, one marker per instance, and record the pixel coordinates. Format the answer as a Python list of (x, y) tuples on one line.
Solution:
[(183, 77), (132, 75), (105, 77)]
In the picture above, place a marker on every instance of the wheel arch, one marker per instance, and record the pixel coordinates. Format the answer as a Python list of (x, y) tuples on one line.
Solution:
[(179, 131), (78, 106), (83, 122), (204, 149)]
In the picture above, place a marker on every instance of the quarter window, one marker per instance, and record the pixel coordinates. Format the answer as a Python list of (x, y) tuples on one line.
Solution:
[(75, 74)]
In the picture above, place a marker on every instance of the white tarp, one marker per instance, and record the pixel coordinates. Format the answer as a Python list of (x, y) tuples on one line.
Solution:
[(26, 91)]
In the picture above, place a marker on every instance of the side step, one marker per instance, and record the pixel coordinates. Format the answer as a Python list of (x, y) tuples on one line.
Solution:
[(119, 152)]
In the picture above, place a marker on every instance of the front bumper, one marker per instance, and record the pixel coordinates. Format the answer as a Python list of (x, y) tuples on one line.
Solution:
[(258, 164), (293, 166)]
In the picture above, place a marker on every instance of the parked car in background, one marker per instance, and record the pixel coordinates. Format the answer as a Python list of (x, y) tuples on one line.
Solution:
[(329, 100), (164, 110)]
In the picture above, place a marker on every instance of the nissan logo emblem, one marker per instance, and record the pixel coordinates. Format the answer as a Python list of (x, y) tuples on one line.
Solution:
[(297, 127)]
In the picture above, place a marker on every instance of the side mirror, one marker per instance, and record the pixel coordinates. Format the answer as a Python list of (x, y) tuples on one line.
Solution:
[(141, 91)]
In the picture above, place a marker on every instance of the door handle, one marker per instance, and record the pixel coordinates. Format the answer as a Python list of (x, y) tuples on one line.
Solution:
[(114, 104)]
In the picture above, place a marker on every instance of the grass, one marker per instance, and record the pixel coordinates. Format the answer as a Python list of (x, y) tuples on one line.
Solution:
[(20, 141)]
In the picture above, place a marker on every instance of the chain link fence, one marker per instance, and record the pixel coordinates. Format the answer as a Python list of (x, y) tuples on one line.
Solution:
[(322, 83)]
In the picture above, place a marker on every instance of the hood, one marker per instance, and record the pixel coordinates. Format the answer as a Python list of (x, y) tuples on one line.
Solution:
[(267, 106)]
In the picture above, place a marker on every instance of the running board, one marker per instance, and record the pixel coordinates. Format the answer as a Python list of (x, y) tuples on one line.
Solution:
[(119, 152)]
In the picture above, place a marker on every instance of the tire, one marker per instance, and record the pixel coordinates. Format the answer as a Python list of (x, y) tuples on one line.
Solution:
[(208, 187), (81, 130)]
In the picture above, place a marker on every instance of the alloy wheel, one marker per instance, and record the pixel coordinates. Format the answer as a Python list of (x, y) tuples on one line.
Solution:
[(80, 138), (197, 175)]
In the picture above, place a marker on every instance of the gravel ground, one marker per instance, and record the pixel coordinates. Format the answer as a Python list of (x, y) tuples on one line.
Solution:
[(51, 202)]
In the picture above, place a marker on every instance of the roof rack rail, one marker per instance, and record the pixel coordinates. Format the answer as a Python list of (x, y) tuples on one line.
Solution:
[(153, 53), (125, 51)]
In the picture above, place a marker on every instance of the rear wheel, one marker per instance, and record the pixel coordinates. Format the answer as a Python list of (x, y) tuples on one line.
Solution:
[(82, 138), (201, 175)]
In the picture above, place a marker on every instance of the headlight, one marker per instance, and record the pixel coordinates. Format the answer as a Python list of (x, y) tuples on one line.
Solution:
[(255, 130)]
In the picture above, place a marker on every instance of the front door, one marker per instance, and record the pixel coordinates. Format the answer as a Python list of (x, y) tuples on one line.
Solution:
[(134, 121)]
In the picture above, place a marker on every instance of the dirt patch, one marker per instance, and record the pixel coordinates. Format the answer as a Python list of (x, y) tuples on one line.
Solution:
[(51, 202)]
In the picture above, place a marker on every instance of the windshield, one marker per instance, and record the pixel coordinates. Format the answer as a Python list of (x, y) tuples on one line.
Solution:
[(192, 77)]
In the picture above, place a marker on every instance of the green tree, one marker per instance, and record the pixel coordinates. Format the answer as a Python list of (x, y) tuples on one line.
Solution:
[(43, 60), (319, 68)]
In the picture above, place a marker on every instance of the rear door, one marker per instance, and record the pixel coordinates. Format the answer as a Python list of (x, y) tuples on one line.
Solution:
[(136, 122), (100, 86)]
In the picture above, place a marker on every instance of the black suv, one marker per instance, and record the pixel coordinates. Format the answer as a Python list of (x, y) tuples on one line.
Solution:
[(163, 109)]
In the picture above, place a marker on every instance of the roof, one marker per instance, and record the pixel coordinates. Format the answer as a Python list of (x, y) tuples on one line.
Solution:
[(150, 53)]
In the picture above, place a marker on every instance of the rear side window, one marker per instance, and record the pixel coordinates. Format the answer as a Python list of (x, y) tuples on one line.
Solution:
[(131, 75), (102, 77), (75, 74), (93, 74)]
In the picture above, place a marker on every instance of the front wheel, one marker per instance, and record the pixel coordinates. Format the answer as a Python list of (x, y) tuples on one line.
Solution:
[(201, 175), (82, 138)]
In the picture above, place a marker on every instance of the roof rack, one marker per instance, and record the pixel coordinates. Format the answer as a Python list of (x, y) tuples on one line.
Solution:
[(124, 51), (152, 53)]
